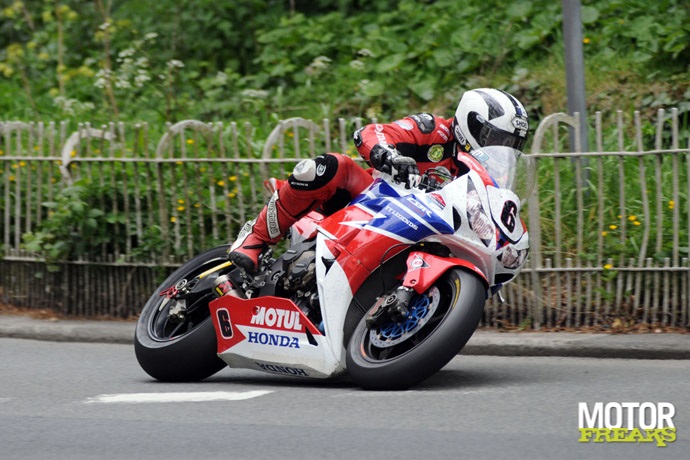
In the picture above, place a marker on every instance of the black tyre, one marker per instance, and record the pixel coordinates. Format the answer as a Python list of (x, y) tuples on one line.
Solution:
[(398, 356), (178, 350)]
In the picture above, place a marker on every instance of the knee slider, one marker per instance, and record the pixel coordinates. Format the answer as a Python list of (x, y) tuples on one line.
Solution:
[(305, 171), (313, 174)]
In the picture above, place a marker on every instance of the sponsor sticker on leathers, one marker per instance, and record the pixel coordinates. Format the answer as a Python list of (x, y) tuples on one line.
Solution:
[(435, 153)]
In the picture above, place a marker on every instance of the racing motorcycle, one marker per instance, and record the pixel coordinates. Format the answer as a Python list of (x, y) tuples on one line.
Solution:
[(388, 289)]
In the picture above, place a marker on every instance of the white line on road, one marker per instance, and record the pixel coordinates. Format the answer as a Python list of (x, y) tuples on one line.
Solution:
[(136, 398)]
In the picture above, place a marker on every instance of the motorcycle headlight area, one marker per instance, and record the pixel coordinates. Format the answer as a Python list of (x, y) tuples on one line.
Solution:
[(512, 258), (480, 222)]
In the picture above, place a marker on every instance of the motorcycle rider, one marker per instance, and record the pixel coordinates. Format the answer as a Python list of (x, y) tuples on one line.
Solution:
[(404, 148)]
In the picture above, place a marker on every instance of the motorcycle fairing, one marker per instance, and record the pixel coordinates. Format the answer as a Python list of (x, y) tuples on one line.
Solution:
[(505, 206), (377, 189), (270, 334), (379, 224), (306, 227), (465, 243), (357, 249)]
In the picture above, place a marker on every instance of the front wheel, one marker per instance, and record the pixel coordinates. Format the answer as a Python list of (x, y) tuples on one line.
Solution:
[(172, 346), (396, 356)]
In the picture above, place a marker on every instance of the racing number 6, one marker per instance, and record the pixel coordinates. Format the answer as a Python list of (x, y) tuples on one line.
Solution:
[(509, 215)]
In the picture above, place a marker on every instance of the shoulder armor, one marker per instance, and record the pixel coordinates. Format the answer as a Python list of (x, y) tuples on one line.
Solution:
[(425, 122)]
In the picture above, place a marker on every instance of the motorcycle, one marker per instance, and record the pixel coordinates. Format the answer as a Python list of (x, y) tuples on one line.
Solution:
[(388, 289)]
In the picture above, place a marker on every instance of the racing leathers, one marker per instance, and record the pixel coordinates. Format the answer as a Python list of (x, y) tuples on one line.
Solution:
[(404, 148)]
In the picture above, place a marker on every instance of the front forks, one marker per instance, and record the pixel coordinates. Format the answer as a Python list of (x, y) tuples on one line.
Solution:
[(394, 307)]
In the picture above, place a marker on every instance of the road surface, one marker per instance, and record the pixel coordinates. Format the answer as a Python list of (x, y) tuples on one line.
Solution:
[(92, 401)]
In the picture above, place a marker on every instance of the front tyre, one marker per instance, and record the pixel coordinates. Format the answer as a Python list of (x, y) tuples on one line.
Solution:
[(396, 356), (174, 348)]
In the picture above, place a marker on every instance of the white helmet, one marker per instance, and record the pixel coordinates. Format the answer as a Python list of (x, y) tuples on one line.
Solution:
[(487, 116)]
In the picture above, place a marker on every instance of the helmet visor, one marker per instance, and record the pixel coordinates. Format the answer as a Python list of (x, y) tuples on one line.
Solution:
[(491, 135)]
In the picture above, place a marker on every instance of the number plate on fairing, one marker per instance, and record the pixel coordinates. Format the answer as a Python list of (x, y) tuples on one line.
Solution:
[(505, 212)]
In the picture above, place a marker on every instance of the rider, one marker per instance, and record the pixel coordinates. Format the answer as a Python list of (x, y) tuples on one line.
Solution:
[(403, 148)]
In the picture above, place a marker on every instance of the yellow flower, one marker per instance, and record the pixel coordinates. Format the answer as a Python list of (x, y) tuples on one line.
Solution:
[(12, 178), (671, 204), (2, 152), (180, 201), (632, 218), (173, 219), (586, 41), (613, 227), (231, 195), (178, 163), (73, 153), (608, 267), (232, 178), (190, 141), (637, 222), (220, 183), (202, 169), (36, 148), (85, 71), (604, 233), (180, 208), (22, 164), (197, 205), (290, 134)]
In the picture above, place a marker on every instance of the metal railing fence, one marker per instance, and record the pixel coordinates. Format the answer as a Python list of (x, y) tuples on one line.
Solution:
[(119, 206)]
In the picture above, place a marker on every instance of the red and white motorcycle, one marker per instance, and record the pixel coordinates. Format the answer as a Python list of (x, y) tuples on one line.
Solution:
[(388, 289)]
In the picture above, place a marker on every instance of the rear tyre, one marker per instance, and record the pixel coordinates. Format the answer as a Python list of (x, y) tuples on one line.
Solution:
[(398, 356), (178, 350)]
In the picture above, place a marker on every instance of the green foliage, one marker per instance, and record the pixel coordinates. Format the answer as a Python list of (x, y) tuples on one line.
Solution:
[(658, 35), (72, 227), (244, 60)]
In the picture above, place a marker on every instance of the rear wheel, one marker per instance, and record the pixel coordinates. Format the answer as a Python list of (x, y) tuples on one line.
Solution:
[(395, 356), (175, 339)]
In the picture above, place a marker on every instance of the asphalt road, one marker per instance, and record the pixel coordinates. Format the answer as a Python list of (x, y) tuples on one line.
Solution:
[(91, 401)]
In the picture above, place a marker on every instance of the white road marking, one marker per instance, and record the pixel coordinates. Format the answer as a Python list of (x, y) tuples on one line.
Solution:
[(138, 398)]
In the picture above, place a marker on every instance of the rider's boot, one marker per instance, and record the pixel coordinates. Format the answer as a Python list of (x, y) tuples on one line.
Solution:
[(268, 228)]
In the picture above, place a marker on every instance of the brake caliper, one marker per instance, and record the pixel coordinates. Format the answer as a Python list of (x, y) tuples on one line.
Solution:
[(392, 308)]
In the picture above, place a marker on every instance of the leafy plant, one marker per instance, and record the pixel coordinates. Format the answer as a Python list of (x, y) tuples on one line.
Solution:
[(71, 229)]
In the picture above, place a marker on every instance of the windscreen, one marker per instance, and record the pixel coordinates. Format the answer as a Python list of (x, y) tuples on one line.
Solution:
[(510, 168)]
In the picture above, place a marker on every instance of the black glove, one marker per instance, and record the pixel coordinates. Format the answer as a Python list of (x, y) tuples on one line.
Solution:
[(405, 170), (381, 155), (387, 159)]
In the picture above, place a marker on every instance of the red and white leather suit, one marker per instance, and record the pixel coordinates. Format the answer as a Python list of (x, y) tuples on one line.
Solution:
[(331, 180)]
